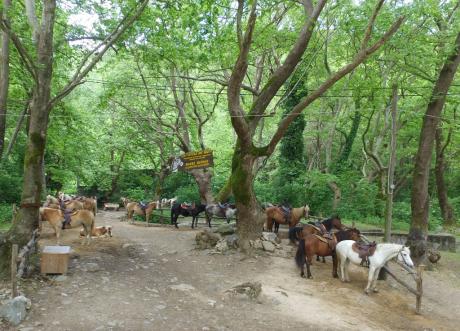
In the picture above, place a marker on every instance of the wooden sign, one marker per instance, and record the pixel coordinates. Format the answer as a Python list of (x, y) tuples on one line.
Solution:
[(193, 160)]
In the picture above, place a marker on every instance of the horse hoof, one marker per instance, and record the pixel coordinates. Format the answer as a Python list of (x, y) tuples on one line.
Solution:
[(310, 277), (366, 291), (375, 290), (335, 276), (303, 276)]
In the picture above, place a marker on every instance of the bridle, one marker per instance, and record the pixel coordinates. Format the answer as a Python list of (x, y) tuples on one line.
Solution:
[(403, 257)]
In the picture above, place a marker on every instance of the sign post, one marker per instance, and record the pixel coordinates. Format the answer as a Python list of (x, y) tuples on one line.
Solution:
[(193, 160)]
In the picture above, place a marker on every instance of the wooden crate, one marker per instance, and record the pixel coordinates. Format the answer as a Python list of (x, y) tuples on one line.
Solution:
[(55, 259), (109, 206)]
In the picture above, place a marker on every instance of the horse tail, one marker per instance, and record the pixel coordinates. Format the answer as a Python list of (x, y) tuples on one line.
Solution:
[(293, 233), (300, 254)]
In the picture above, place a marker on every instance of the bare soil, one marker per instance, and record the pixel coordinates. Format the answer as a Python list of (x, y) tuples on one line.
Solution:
[(152, 278)]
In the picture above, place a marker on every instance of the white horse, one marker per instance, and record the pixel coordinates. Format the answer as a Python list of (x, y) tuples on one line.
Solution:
[(383, 253)]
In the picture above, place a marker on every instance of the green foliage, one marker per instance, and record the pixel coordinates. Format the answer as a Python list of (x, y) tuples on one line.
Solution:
[(6, 213)]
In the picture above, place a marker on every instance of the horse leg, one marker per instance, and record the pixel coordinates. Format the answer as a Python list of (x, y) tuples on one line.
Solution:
[(370, 279), (342, 268), (277, 227), (334, 265), (347, 264), (374, 282), (324, 259), (309, 262)]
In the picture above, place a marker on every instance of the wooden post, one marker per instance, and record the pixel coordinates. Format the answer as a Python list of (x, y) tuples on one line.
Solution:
[(161, 216), (14, 269), (418, 304)]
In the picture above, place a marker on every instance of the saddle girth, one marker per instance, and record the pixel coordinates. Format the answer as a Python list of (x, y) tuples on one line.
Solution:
[(364, 251)]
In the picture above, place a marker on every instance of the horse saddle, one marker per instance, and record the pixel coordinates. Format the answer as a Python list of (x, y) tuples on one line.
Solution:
[(364, 251), (143, 205), (186, 206), (328, 239), (286, 212)]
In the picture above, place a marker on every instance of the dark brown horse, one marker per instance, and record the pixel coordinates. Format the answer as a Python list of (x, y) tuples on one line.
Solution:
[(319, 228), (313, 244)]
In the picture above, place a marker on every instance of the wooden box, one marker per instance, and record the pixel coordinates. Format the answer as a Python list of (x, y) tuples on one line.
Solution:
[(55, 259)]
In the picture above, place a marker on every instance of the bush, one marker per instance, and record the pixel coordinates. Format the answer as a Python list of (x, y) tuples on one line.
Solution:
[(6, 213)]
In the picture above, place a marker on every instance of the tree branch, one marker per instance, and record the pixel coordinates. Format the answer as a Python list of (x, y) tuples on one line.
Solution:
[(85, 68), (359, 58), (282, 73)]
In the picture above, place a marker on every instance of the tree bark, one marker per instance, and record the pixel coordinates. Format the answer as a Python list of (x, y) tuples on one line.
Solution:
[(27, 219), (337, 195), (420, 197), (4, 76), (250, 217), (203, 180), (447, 211), (391, 167)]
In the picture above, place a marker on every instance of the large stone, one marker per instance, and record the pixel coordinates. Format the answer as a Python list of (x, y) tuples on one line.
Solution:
[(14, 310), (225, 229), (232, 241), (257, 244), (206, 239), (268, 246), (270, 236), (222, 246)]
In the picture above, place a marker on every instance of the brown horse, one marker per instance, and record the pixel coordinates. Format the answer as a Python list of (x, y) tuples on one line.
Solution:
[(55, 217), (88, 203), (135, 208), (276, 215), (125, 201), (313, 244)]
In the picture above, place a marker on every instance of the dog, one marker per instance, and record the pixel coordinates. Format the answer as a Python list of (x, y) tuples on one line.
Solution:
[(99, 231)]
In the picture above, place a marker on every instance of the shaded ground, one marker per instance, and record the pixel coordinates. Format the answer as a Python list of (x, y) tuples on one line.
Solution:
[(153, 279)]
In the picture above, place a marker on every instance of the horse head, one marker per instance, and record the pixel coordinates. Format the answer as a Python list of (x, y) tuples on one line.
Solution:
[(306, 211), (337, 223), (404, 256), (355, 234)]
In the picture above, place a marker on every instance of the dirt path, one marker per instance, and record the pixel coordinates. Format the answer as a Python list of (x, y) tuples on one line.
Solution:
[(153, 279)]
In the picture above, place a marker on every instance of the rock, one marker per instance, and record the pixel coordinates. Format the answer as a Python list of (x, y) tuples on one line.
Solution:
[(206, 239), (182, 287), (14, 310), (212, 303), (232, 241), (61, 278), (92, 267), (268, 246), (251, 289), (257, 244), (222, 246), (225, 229), (126, 245), (270, 236)]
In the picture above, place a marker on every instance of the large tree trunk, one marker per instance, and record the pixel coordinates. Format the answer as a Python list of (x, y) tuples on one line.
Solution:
[(225, 191), (447, 211), (4, 77), (250, 217), (420, 197), (27, 219), (203, 180)]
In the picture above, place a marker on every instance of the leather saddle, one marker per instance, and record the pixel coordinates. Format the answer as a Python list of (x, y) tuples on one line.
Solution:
[(186, 206), (328, 239), (286, 212), (364, 251)]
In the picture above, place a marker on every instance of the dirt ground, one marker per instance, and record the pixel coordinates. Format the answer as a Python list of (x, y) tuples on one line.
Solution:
[(153, 279)]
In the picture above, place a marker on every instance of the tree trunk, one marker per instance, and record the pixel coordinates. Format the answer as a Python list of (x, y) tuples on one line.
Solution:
[(225, 191), (447, 211), (337, 195), (4, 77), (391, 167), (27, 220), (420, 197), (164, 172), (250, 217), (203, 180)]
